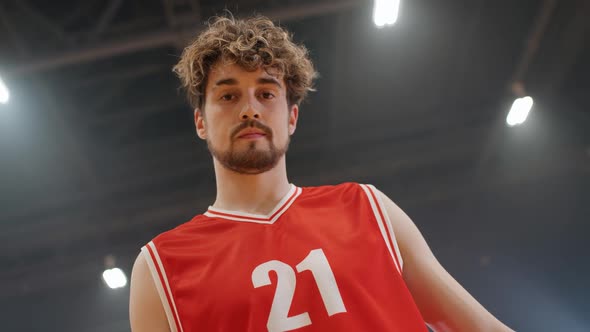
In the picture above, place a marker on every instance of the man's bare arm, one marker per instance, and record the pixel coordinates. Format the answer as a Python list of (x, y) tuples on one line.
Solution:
[(146, 311), (444, 304)]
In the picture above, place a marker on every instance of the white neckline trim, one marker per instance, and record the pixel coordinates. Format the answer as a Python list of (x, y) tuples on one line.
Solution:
[(281, 207)]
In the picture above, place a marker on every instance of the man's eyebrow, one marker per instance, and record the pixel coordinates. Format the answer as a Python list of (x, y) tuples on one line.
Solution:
[(261, 80), (269, 80), (227, 81)]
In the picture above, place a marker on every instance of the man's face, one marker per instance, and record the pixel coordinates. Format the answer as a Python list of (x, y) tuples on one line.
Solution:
[(246, 119)]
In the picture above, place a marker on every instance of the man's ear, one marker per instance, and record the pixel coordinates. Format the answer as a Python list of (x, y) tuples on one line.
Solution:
[(200, 124), (293, 116)]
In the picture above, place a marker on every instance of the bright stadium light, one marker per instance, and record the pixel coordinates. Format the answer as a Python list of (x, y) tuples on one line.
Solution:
[(4, 93), (114, 278), (385, 12), (519, 111)]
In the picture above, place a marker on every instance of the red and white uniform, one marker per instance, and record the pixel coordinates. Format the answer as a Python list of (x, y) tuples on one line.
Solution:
[(325, 259)]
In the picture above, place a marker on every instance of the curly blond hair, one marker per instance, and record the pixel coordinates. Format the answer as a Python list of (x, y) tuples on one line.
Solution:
[(251, 43)]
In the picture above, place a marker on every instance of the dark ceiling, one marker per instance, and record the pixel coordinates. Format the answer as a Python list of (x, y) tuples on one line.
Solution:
[(98, 153)]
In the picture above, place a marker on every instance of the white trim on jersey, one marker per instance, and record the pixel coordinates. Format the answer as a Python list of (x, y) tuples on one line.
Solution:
[(270, 218), (389, 225), (384, 225), (161, 281)]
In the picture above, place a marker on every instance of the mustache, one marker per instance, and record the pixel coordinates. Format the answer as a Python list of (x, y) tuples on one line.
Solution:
[(253, 124)]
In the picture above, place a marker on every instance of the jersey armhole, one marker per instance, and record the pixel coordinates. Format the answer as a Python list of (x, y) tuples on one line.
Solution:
[(385, 225), (150, 253)]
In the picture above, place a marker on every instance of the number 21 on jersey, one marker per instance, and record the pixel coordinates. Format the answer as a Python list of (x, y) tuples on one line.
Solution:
[(317, 263)]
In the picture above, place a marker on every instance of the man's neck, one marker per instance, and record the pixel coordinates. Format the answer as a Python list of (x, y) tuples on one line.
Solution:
[(257, 194)]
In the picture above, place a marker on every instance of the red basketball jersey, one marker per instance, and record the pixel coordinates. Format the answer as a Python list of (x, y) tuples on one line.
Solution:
[(325, 259)]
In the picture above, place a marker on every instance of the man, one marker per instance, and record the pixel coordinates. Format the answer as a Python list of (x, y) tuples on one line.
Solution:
[(268, 255)]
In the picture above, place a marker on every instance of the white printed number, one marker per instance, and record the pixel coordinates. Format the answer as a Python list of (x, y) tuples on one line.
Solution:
[(317, 263)]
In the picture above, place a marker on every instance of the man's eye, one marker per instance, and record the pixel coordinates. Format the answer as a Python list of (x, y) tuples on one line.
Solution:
[(227, 97), (267, 95)]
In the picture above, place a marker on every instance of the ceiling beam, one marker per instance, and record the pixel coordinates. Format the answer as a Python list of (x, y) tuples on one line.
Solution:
[(105, 19), (534, 39), (163, 38), (55, 29)]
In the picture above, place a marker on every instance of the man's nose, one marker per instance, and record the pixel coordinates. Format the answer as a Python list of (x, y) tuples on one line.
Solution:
[(250, 111)]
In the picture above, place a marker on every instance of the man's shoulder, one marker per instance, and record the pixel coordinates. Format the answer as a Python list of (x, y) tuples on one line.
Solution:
[(332, 187), (332, 191), (182, 229)]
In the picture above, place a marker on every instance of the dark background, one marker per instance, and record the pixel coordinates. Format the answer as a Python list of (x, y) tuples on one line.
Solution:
[(98, 152)]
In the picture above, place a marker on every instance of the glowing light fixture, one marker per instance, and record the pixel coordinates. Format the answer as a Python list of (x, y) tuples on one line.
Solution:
[(385, 12), (114, 278), (4, 93), (519, 111)]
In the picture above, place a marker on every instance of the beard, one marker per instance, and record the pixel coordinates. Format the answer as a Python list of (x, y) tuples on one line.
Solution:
[(252, 160)]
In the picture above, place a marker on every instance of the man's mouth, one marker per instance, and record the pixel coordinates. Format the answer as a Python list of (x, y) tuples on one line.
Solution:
[(251, 130), (252, 136)]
